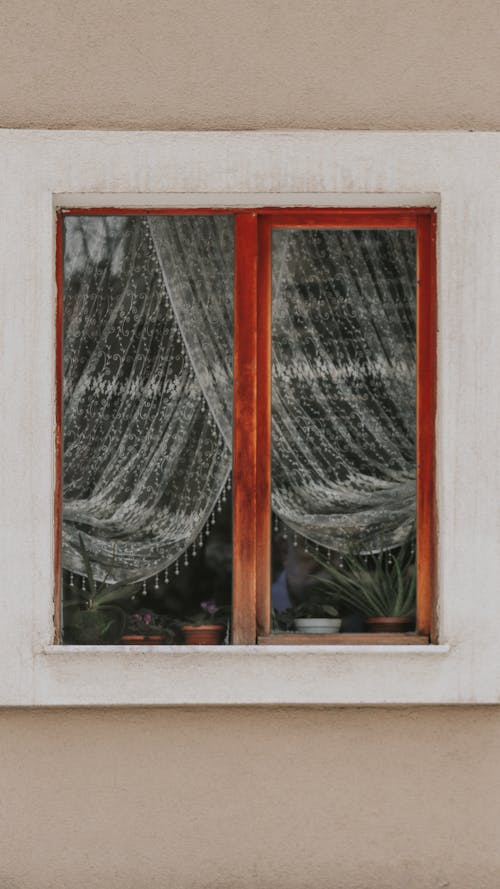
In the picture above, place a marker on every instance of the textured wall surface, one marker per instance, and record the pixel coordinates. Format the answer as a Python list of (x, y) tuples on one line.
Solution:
[(278, 799), (239, 64), (215, 799)]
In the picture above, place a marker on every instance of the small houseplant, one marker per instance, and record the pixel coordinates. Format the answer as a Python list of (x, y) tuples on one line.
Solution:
[(381, 587), (92, 618), (316, 614), (145, 627), (207, 626)]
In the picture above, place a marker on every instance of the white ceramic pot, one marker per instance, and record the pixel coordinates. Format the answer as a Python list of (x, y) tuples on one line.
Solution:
[(317, 624)]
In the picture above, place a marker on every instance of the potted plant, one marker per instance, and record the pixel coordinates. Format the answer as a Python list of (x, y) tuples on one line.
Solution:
[(382, 587), (316, 616), (145, 627), (204, 628), (93, 619)]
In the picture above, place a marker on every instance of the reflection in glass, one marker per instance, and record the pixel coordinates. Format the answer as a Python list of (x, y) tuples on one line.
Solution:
[(147, 395), (343, 425)]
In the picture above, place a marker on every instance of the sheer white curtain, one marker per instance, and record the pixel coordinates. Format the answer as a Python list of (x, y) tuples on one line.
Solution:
[(344, 386), (144, 462)]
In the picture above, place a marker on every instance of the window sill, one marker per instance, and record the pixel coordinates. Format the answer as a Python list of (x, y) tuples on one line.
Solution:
[(269, 648), (239, 675), (352, 639)]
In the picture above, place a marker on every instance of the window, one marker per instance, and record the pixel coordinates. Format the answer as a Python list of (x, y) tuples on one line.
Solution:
[(452, 172), (290, 483)]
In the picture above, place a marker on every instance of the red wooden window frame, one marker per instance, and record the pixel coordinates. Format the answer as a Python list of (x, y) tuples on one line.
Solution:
[(252, 409)]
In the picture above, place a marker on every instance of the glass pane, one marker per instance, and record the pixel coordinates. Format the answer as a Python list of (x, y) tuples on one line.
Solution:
[(343, 430), (147, 427)]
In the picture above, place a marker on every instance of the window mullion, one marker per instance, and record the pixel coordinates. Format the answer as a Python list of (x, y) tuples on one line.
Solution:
[(245, 431)]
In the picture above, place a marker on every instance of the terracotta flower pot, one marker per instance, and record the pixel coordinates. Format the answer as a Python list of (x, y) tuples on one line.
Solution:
[(205, 634), (143, 640), (389, 624)]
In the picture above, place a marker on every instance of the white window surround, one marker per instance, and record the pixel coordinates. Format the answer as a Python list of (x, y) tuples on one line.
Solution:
[(457, 172)]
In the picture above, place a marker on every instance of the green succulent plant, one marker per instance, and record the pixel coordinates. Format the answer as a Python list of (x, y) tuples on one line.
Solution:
[(319, 603), (315, 606)]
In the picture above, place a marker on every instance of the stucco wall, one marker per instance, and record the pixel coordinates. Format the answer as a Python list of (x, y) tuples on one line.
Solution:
[(238, 64), (311, 799), (192, 799)]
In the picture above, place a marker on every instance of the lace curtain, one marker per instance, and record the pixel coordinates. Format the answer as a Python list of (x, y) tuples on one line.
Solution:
[(344, 385), (144, 462), (148, 386)]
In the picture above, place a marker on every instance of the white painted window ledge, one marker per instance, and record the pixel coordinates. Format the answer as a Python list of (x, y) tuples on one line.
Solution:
[(240, 675)]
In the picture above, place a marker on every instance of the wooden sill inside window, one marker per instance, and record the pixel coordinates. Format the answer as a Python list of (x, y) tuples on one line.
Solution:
[(343, 639)]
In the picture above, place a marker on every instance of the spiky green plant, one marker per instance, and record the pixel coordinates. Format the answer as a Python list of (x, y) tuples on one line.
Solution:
[(103, 593), (382, 586), (99, 620)]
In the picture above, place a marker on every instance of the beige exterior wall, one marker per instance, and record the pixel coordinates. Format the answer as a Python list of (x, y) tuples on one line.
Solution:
[(276, 798), (250, 64)]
